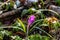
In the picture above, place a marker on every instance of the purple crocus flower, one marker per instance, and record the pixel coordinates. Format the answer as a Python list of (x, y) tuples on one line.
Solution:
[(31, 19)]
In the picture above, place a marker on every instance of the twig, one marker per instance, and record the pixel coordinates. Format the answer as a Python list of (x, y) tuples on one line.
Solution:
[(10, 13)]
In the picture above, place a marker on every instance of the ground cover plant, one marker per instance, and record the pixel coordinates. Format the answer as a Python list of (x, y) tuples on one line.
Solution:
[(29, 19)]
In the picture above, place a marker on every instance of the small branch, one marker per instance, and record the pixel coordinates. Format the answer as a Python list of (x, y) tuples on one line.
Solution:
[(10, 13)]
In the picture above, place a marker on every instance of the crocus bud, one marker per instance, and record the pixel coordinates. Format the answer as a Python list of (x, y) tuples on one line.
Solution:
[(31, 19)]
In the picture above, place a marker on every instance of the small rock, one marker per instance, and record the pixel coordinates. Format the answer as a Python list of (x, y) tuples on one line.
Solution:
[(15, 7), (1, 12), (55, 8), (17, 3)]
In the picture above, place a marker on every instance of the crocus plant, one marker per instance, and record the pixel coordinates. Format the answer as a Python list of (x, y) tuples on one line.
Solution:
[(31, 20)]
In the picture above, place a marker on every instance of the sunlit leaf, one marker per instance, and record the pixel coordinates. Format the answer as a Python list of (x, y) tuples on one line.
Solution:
[(23, 26)]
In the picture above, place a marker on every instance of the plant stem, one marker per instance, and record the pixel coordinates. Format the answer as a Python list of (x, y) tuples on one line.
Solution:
[(27, 32)]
